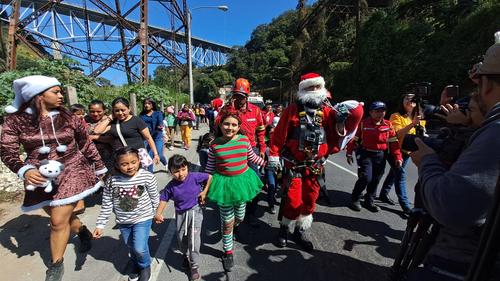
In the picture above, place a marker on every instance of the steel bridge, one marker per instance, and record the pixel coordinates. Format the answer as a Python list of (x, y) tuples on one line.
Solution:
[(117, 35)]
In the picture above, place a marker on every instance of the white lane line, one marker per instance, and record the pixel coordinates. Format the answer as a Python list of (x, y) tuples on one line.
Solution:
[(343, 168), (161, 252)]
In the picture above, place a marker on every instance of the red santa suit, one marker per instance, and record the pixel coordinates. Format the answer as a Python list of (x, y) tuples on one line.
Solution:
[(304, 157)]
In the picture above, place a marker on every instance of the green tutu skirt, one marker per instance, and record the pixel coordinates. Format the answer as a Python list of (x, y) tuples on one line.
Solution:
[(234, 190)]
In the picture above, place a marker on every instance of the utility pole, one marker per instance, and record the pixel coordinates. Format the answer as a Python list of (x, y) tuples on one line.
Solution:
[(11, 40)]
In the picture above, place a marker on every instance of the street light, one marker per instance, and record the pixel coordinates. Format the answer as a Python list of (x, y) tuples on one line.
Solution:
[(189, 50), (281, 83), (291, 81)]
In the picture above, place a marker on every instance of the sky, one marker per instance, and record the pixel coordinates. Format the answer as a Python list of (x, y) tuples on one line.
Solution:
[(231, 28)]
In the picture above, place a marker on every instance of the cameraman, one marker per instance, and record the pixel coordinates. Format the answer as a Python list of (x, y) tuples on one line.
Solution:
[(460, 198)]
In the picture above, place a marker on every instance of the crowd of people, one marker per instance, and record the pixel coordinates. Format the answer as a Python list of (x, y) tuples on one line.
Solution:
[(246, 149)]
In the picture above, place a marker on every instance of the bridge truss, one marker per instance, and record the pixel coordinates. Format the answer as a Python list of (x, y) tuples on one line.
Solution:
[(117, 34)]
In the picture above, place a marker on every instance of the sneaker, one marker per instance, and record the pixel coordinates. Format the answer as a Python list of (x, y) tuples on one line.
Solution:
[(85, 237), (133, 276), (145, 274), (370, 206), (386, 199), (227, 262), (55, 271), (185, 263), (195, 274), (355, 206)]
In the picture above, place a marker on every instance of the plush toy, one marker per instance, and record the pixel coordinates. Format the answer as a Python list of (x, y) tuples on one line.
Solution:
[(50, 169)]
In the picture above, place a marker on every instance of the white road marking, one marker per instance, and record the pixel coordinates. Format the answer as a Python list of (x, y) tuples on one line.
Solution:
[(343, 168)]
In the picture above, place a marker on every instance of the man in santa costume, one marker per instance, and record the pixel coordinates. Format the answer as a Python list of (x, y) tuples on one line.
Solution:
[(308, 131)]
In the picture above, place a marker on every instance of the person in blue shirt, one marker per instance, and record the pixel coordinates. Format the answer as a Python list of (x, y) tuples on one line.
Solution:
[(154, 119)]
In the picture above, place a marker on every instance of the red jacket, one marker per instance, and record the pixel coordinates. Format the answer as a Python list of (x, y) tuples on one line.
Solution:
[(268, 118), (252, 124), (376, 137), (289, 120)]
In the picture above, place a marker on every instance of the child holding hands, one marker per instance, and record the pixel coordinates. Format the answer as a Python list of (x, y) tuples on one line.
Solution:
[(185, 190)]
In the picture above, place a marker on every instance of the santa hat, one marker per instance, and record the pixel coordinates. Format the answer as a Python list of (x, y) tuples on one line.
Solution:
[(28, 87), (311, 79)]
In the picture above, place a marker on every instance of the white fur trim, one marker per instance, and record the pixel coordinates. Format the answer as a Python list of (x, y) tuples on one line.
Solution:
[(10, 109), (311, 82), (314, 97), (305, 222), (350, 104), (101, 171), (23, 170), (64, 201)]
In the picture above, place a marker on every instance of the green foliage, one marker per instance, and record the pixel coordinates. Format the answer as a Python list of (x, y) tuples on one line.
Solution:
[(413, 41)]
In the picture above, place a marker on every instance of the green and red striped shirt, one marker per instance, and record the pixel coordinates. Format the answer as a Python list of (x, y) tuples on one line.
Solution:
[(231, 158)]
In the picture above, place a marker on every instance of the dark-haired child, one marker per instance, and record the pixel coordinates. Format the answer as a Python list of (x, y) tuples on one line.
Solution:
[(185, 189), (234, 184), (202, 149), (78, 110), (132, 195)]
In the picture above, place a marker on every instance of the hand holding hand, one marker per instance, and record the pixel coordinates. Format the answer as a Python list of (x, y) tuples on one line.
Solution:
[(274, 162), (158, 218), (422, 151), (398, 163), (202, 198), (33, 176), (97, 233)]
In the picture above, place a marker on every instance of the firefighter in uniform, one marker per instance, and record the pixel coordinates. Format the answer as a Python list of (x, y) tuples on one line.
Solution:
[(374, 140), (307, 132), (253, 126)]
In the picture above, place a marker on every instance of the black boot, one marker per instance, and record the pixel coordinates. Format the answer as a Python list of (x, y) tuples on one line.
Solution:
[(283, 236), (85, 239), (55, 271), (301, 237), (228, 262)]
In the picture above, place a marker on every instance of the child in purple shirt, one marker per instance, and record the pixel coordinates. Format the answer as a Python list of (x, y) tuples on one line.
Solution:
[(186, 192)]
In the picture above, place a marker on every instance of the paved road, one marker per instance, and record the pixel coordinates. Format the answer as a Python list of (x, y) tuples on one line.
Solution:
[(349, 245)]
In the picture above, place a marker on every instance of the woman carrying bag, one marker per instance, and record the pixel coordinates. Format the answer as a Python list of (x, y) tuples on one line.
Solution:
[(129, 130)]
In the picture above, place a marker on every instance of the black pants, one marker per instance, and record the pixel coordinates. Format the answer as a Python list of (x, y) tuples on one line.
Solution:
[(371, 167)]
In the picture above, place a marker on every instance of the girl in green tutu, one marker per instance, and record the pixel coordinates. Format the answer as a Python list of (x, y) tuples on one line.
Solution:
[(233, 183)]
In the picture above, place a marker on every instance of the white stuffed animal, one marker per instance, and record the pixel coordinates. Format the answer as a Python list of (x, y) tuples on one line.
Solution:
[(50, 169)]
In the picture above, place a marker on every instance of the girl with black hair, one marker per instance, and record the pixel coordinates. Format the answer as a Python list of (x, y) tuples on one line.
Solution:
[(96, 116), (132, 194), (154, 119), (188, 190)]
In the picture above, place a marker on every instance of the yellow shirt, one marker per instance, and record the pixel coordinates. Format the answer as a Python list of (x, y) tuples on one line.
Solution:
[(399, 122)]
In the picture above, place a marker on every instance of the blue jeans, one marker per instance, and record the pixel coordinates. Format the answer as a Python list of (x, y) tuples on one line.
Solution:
[(397, 177), (136, 237), (271, 185), (158, 139)]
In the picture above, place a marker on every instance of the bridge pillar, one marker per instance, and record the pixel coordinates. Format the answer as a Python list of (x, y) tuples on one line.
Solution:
[(11, 40), (71, 95), (143, 40)]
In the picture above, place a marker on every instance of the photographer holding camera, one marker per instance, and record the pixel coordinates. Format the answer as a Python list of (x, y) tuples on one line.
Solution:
[(460, 197)]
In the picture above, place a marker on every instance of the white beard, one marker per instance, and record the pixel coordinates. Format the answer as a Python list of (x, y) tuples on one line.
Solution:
[(311, 97)]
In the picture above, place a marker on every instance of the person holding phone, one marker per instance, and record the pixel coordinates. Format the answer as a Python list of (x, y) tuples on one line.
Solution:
[(404, 122)]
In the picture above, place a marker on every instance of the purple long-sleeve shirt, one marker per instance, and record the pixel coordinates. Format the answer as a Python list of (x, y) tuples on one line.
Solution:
[(184, 193)]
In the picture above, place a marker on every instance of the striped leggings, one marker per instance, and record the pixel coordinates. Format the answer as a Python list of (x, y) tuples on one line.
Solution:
[(230, 217)]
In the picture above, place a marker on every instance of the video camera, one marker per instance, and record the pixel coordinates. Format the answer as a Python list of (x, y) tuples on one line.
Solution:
[(422, 91)]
